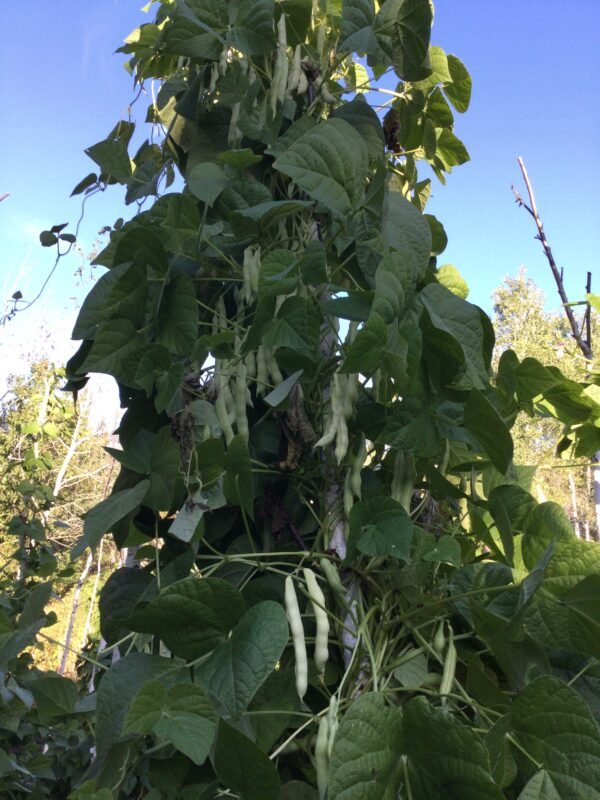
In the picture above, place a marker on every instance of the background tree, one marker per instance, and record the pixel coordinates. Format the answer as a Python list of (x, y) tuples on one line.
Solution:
[(52, 467), (523, 325)]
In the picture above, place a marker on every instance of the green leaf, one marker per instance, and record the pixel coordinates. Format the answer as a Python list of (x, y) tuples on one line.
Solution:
[(540, 787), (118, 598), (571, 622), (390, 278), (238, 485), (296, 790), (297, 327), (451, 278), (446, 759), (366, 351), (446, 550), (405, 229), (117, 689), (594, 301), (280, 393), (85, 183), (330, 163), (54, 695), (48, 239), (573, 559), (145, 709), (380, 526), (255, 220), (553, 725), (239, 666), (183, 716), (412, 672), (439, 239), (253, 31), (206, 181), (189, 515), (357, 34), (366, 751), (192, 616), (114, 351), (410, 40), (461, 321), (113, 159), (242, 767), (459, 91), (482, 420), (240, 159), (107, 513), (165, 460), (354, 306), (364, 119), (178, 319), (450, 150)]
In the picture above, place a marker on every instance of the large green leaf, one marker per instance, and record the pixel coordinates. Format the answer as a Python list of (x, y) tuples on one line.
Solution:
[(569, 622), (118, 597), (238, 484), (453, 317), (402, 28), (178, 319), (446, 759), (553, 725), (297, 327), (239, 666), (254, 220), (573, 559), (357, 34), (164, 471), (112, 158), (206, 181), (119, 686), (459, 90), (366, 750), (362, 117), (449, 149), (482, 420), (103, 516), (243, 767), (192, 616), (405, 229), (91, 313), (330, 163), (253, 31), (182, 716), (380, 526), (54, 695), (366, 351), (115, 351)]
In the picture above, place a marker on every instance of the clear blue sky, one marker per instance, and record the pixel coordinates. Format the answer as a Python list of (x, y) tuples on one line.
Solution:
[(534, 65)]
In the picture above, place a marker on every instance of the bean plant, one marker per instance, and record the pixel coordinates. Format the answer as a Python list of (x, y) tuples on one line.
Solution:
[(340, 586)]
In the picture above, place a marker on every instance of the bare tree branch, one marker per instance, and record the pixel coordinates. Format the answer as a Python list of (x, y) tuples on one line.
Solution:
[(576, 329)]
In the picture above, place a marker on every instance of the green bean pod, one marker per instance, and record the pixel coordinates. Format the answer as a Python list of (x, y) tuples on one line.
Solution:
[(298, 640), (331, 576), (317, 599), (449, 671), (322, 757), (241, 418), (262, 374)]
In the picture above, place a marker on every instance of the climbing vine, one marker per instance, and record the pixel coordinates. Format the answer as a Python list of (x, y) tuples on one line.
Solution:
[(342, 586)]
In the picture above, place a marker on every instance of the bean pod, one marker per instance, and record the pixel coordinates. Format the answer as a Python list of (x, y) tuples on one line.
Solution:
[(295, 622)]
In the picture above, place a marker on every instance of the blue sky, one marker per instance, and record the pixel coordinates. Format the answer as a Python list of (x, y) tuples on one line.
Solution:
[(534, 66)]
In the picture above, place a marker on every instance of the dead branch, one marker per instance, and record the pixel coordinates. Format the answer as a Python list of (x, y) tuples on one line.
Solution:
[(576, 330)]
